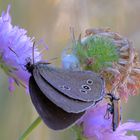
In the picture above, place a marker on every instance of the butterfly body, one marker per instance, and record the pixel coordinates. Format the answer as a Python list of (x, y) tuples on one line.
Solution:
[(61, 96)]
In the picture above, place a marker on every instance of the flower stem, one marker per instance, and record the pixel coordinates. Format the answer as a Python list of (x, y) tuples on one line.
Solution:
[(78, 131), (30, 128)]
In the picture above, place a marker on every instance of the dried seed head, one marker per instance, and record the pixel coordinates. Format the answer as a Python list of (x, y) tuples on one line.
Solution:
[(124, 75)]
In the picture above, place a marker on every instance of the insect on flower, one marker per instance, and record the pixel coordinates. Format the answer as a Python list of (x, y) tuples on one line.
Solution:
[(62, 96), (114, 110), (77, 91)]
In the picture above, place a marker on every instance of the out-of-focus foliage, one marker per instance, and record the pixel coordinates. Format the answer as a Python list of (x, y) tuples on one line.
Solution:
[(50, 20)]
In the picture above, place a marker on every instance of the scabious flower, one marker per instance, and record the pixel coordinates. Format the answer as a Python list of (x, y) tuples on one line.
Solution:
[(96, 127), (15, 49)]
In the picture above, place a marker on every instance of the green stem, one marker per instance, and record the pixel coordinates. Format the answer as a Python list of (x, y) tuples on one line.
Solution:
[(30, 128), (78, 131)]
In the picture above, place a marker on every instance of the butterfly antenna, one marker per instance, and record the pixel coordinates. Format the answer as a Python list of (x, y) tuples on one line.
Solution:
[(33, 52)]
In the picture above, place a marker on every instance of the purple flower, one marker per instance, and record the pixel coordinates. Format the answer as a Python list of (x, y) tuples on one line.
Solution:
[(15, 48), (96, 127)]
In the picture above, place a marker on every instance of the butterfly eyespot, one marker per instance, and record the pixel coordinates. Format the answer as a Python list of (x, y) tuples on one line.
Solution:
[(64, 87), (89, 82), (83, 91), (86, 87)]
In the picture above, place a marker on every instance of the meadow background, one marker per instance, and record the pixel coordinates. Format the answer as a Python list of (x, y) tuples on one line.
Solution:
[(50, 20)]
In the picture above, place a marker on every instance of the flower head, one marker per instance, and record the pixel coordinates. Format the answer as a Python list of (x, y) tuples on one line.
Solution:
[(124, 74), (15, 48), (96, 127)]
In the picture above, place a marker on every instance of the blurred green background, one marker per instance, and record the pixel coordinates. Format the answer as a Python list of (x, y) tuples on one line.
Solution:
[(50, 20)]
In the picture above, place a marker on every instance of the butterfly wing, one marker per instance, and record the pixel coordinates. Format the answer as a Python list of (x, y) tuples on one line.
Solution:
[(53, 116), (66, 103), (80, 85)]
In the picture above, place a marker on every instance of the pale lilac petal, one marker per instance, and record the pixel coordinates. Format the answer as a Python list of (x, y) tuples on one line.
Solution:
[(94, 122), (129, 126), (118, 137), (42, 42), (96, 127)]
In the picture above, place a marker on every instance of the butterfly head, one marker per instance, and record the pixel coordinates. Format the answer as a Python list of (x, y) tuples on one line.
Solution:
[(29, 66)]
